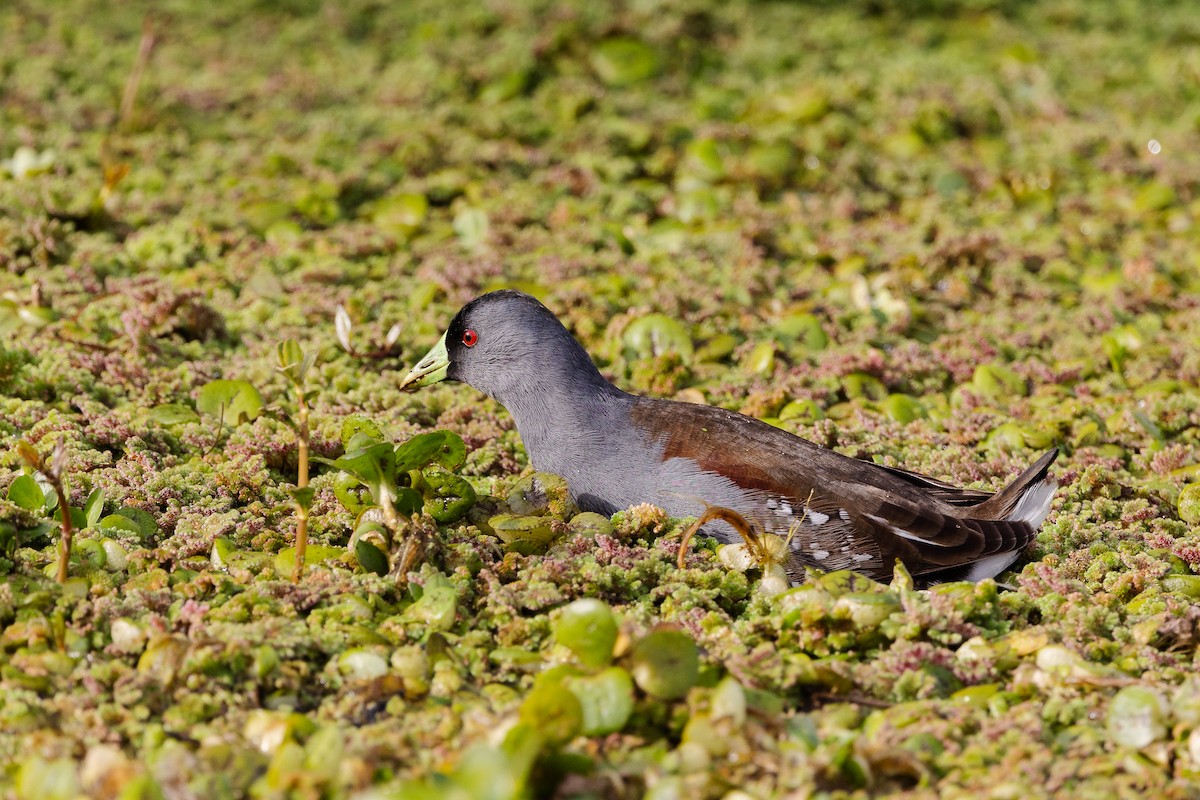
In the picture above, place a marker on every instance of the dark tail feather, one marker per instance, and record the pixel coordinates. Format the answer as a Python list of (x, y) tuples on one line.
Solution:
[(1026, 499)]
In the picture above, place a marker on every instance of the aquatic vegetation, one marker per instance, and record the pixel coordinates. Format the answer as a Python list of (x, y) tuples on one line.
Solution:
[(943, 236), (51, 471), (294, 365)]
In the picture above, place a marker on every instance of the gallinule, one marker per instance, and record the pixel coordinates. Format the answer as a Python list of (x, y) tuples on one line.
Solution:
[(616, 450)]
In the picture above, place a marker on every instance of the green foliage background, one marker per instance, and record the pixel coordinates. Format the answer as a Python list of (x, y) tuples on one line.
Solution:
[(941, 234)]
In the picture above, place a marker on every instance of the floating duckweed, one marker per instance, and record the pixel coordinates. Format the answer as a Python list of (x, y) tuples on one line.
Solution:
[(1184, 585), (448, 497), (605, 698), (666, 664), (638, 158), (998, 382), (977, 697), (401, 215), (268, 731), (717, 348), (624, 61), (761, 359), (411, 663), (266, 661), (542, 494), (115, 556), (162, 658), (91, 554), (866, 610), (1137, 717), (728, 701), (804, 410), (525, 535), (285, 559), (655, 335), (591, 525), (1189, 504), (588, 628), (361, 664), (370, 557), (1013, 436), (902, 408), (47, 780), (436, 608), (803, 329), (127, 635), (859, 384), (554, 711)]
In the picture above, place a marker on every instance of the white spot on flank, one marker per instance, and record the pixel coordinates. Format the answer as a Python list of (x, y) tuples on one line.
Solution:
[(785, 508), (862, 556), (820, 555), (771, 504), (844, 514), (817, 517)]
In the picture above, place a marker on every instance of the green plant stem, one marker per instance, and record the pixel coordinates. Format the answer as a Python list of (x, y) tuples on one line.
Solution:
[(68, 533), (389, 510), (301, 482)]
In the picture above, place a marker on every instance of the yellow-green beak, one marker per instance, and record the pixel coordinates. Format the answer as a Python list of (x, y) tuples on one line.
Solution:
[(430, 369)]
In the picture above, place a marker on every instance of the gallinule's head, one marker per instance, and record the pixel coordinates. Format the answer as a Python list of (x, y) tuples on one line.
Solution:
[(507, 345)]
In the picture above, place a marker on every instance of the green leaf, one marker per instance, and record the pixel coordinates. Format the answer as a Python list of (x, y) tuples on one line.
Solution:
[(29, 455), (348, 490), (120, 522), (49, 496), (93, 508), (145, 522), (303, 496), (624, 61), (78, 520), (290, 353), (285, 560), (169, 414), (471, 225), (400, 215), (293, 363), (239, 399), (375, 466), (407, 501), (448, 496), (26, 493), (437, 447), (361, 426), (370, 557)]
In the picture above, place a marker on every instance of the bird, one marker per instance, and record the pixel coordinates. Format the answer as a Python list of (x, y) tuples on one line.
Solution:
[(617, 450)]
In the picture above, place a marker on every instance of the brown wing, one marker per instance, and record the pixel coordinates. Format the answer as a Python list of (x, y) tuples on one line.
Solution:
[(946, 492), (889, 512)]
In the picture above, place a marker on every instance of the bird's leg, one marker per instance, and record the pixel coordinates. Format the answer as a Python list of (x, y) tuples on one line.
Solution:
[(728, 515)]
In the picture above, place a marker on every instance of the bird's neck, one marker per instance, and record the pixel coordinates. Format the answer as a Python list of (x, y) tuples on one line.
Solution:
[(557, 412)]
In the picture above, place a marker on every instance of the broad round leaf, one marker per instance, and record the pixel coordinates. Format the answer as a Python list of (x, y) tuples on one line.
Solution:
[(235, 401), (26, 493)]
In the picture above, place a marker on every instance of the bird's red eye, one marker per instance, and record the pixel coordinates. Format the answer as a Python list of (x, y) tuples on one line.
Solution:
[(470, 337)]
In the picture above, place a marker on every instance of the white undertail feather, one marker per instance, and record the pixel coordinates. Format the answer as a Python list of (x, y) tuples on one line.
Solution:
[(1034, 505), (991, 566)]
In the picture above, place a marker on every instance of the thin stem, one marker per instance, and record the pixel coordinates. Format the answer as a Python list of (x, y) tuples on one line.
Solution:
[(389, 510), (68, 533), (301, 483), (134, 80)]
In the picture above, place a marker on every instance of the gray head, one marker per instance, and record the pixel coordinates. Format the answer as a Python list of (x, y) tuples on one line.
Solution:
[(509, 346)]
